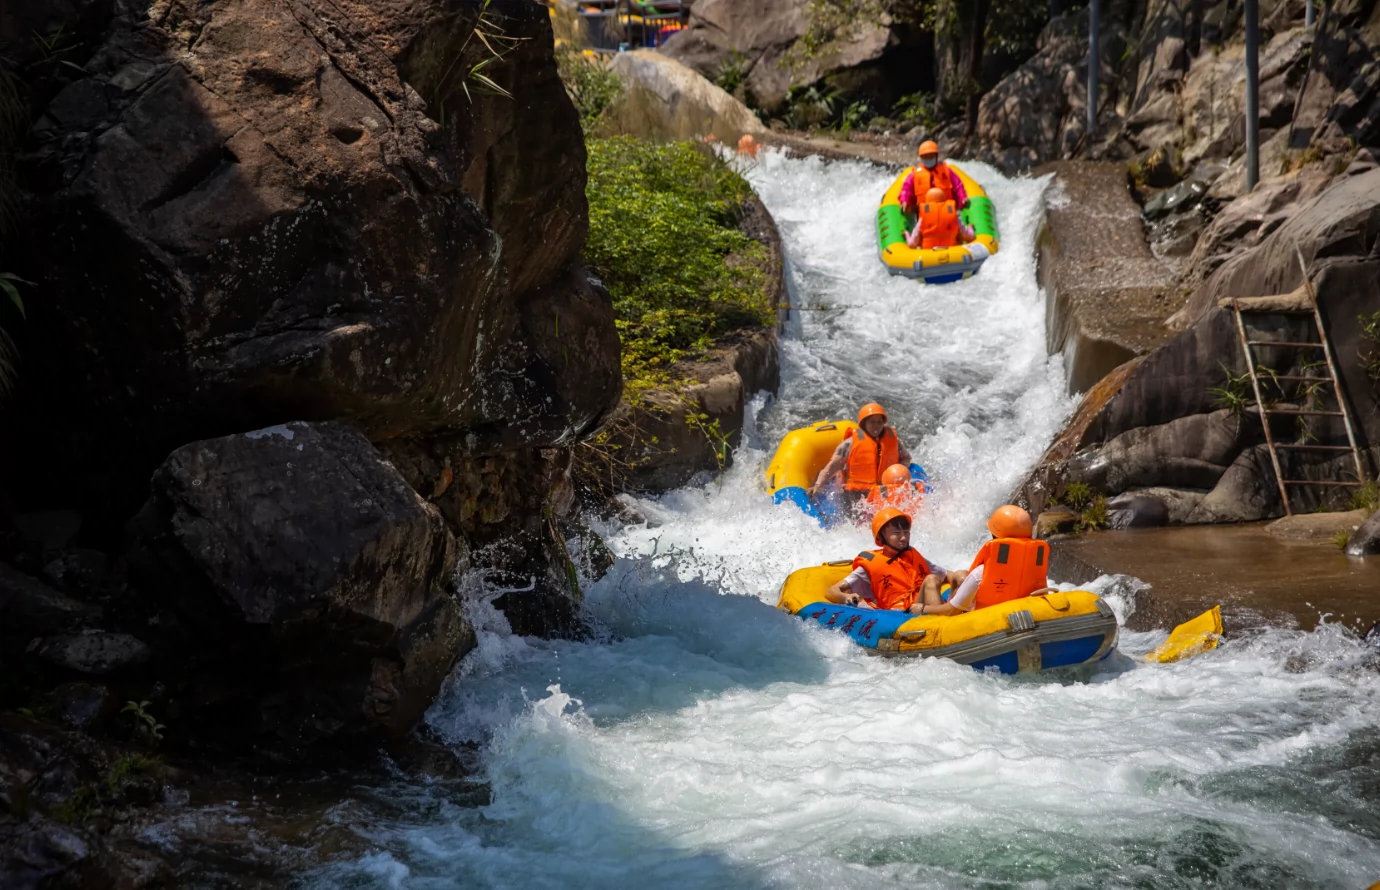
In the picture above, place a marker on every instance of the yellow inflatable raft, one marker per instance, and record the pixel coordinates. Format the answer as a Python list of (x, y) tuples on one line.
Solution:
[(939, 265), (798, 460), (1030, 634)]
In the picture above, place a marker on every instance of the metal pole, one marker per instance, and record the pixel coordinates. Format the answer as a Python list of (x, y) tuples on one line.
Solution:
[(1093, 53), (1252, 94), (1308, 15)]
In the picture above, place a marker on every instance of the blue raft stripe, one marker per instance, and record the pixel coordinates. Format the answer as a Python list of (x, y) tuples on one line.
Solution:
[(1069, 652), (865, 626), (794, 494), (1007, 663)]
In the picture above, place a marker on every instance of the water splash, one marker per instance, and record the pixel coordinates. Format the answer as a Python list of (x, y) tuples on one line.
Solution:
[(708, 740)]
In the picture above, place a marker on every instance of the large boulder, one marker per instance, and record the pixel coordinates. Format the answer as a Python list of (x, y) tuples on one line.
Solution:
[(1342, 221), (665, 101), (313, 584), (1340, 99), (880, 61), (1365, 541), (1038, 113), (242, 217)]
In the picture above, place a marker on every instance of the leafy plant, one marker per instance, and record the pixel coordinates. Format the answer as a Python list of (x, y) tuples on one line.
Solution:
[(1078, 495), (1370, 358), (917, 110), (663, 238), (1232, 396), (589, 83), (733, 73), (145, 724), (1093, 516), (1366, 496), (472, 78), (856, 114), (1340, 539), (811, 107)]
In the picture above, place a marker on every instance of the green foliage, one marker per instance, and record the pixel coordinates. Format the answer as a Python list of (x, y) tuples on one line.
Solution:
[(1232, 396), (592, 87), (1366, 496), (146, 726), (1370, 359), (917, 110), (1093, 516), (1078, 495), (85, 800), (856, 114), (809, 107), (733, 73), (663, 238), (1340, 539)]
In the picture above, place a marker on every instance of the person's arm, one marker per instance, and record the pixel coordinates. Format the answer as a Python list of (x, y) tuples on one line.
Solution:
[(960, 193), (902, 454), (846, 594), (835, 465), (907, 197)]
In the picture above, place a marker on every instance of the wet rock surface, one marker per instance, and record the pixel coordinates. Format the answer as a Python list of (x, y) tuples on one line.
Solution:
[(1365, 541), (316, 583)]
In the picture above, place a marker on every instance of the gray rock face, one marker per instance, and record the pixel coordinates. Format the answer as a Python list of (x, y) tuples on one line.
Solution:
[(1365, 541), (29, 609), (96, 654), (763, 34), (664, 100), (1038, 113), (304, 564), (249, 217), (1338, 222), (84, 706)]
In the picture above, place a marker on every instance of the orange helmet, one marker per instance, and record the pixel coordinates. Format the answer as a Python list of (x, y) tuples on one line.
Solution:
[(935, 196), (882, 519), (1010, 522), (896, 474), (928, 147), (869, 410)]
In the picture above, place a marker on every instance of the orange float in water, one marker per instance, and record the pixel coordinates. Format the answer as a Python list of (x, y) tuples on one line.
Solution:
[(748, 146)]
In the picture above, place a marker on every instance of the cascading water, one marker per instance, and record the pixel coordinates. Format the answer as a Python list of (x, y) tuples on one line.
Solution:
[(711, 741)]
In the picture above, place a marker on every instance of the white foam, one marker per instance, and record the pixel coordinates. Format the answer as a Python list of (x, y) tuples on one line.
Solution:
[(709, 740)]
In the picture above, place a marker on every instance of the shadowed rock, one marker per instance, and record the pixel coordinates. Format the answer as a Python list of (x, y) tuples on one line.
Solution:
[(309, 572)]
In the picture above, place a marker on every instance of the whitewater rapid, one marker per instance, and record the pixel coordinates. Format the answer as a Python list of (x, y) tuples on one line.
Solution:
[(706, 740)]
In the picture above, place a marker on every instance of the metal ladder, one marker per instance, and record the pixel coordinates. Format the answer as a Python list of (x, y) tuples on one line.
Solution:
[(1265, 413)]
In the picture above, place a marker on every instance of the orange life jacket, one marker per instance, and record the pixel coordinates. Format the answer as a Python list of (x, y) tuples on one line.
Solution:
[(923, 179), (1011, 568), (906, 496), (938, 225), (896, 577), (868, 457)]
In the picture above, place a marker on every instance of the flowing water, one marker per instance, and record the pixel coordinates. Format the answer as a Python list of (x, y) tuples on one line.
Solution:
[(708, 741)]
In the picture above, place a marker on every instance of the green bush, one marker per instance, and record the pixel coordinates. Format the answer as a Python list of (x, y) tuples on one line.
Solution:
[(663, 237)]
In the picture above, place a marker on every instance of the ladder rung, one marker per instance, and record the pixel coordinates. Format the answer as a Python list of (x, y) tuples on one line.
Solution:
[(1247, 310), (1312, 482), (1300, 413), (1283, 343), (1290, 377), (1315, 447)]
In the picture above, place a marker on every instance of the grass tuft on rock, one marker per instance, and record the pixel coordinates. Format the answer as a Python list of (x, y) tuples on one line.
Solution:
[(664, 239)]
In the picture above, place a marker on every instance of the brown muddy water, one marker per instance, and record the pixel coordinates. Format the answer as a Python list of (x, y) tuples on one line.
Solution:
[(1258, 577)]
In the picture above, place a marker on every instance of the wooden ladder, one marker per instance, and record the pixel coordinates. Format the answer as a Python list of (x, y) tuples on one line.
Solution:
[(1275, 306)]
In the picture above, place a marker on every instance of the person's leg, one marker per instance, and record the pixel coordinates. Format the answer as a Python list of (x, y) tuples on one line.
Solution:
[(967, 591)]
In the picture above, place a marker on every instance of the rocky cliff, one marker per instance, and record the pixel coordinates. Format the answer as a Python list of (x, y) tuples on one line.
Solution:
[(241, 214)]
